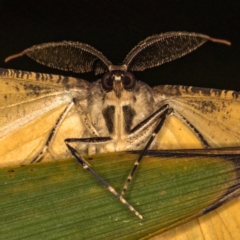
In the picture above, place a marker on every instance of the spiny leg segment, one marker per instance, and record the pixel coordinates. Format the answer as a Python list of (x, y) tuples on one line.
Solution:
[(87, 167), (162, 113), (145, 128), (80, 159), (53, 133), (193, 129), (103, 140), (166, 112), (163, 116)]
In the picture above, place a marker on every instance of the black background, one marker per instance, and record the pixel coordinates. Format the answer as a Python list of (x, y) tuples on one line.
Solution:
[(114, 27)]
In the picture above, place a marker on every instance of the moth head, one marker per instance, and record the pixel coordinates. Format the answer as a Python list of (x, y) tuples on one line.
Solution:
[(117, 81)]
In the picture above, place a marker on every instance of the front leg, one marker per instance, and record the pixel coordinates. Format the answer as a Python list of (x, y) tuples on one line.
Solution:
[(86, 166), (161, 113), (164, 111), (52, 134)]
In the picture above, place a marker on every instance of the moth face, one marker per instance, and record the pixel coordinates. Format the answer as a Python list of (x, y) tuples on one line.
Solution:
[(117, 81)]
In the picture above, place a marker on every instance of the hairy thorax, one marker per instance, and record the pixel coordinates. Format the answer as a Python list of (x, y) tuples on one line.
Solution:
[(115, 117)]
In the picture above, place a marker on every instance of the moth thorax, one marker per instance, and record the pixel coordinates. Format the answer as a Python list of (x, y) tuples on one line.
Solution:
[(119, 117)]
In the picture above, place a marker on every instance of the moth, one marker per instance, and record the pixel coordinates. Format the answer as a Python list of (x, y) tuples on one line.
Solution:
[(45, 116)]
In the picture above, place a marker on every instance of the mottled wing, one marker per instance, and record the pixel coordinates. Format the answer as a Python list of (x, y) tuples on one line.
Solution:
[(162, 48), (30, 104), (68, 56), (214, 113)]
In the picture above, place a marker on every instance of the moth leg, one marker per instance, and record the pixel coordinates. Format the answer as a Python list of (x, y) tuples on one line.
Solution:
[(87, 167), (93, 140), (155, 132), (140, 132), (148, 121), (163, 116), (88, 124), (52, 134), (85, 118), (226, 198), (192, 128)]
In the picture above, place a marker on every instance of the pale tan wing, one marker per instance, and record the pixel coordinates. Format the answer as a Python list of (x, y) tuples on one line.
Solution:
[(222, 223), (30, 104), (214, 113)]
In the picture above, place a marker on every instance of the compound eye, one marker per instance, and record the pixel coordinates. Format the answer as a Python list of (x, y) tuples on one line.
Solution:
[(128, 81), (107, 81)]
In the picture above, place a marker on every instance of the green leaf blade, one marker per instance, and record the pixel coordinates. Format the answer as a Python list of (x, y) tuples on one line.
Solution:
[(59, 200)]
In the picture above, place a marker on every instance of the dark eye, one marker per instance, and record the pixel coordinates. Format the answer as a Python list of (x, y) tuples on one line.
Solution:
[(128, 80), (107, 81)]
